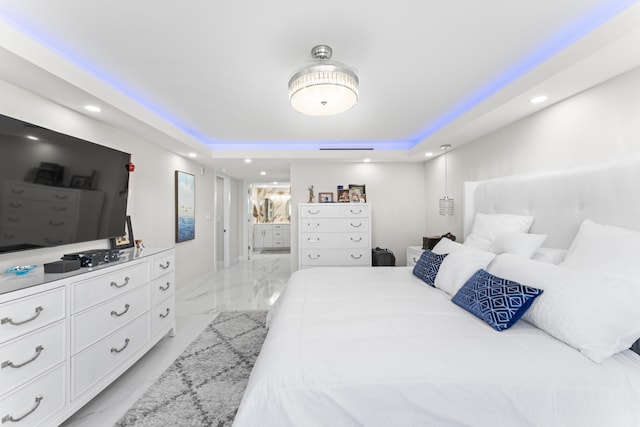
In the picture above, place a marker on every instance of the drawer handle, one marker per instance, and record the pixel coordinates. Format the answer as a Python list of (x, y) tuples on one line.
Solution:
[(310, 224), (312, 257), (165, 288), (126, 282), (14, 191), (115, 313), (9, 320), (15, 205), (13, 219), (317, 211), (356, 225), (414, 259), (358, 240), (164, 267), (56, 223), (9, 364), (59, 208), (61, 196), (31, 411), (356, 257), (359, 211), (163, 316), (53, 242), (312, 240), (115, 350)]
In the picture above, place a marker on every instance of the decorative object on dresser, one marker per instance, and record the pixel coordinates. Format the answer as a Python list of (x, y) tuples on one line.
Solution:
[(62, 266), (63, 339), (185, 206), (357, 193), (325, 197), (334, 234)]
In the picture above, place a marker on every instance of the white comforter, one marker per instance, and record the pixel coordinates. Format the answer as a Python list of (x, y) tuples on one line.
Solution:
[(364, 346)]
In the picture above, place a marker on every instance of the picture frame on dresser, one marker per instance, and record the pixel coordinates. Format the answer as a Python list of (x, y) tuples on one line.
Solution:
[(126, 240), (325, 197), (357, 193)]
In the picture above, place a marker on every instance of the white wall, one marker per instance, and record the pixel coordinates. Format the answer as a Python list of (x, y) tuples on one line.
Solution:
[(151, 200), (599, 124), (395, 193)]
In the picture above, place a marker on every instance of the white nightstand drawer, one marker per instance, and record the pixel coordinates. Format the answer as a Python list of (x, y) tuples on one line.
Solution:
[(162, 287), (98, 289), (413, 255), (105, 318), (30, 355), (98, 360), (27, 314), (36, 401)]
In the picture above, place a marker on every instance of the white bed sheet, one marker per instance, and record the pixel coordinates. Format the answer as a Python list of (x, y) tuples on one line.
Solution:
[(377, 347)]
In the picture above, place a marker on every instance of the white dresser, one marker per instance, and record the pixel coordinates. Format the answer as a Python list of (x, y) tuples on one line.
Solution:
[(65, 337), (334, 234)]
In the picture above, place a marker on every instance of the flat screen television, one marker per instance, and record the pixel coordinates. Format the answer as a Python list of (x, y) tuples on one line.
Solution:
[(56, 189)]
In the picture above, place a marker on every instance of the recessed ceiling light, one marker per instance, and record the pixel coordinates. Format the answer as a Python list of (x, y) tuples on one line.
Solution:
[(263, 173), (247, 160), (538, 99), (428, 154), (275, 182), (93, 108), (367, 160), (35, 138), (192, 155)]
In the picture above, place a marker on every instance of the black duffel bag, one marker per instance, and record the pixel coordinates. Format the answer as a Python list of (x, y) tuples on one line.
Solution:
[(382, 257)]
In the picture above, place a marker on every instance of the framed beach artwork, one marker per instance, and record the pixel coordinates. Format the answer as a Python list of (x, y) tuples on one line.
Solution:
[(185, 206)]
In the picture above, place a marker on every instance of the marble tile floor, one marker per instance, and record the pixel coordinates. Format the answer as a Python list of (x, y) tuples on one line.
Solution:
[(246, 285)]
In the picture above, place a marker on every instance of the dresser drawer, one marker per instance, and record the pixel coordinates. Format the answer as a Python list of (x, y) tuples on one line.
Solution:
[(334, 240), (30, 313), (162, 287), (33, 403), (162, 315), (335, 225), (41, 192), (162, 264), (323, 257), (334, 211), (30, 355), (94, 291), (93, 324), (97, 361)]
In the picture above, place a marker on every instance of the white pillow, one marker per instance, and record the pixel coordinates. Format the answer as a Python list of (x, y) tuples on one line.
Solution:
[(521, 244), (458, 267), (550, 255), (487, 226), (605, 249), (596, 314)]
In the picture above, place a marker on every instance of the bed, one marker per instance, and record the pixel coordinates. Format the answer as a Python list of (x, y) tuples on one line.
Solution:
[(381, 346)]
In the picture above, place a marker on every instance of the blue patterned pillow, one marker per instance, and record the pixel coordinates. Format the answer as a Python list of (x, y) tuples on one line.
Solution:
[(497, 301), (427, 267)]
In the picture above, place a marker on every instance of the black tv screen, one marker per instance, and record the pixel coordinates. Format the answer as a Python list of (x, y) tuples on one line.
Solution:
[(57, 189)]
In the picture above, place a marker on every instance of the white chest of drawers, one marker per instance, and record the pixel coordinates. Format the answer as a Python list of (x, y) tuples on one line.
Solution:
[(63, 340), (334, 234)]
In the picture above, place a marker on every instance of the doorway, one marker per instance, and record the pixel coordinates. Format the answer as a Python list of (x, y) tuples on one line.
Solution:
[(270, 218), (222, 209)]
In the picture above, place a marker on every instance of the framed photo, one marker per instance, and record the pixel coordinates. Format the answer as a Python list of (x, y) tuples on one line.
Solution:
[(78, 181), (357, 193), (185, 206), (126, 240), (325, 197), (343, 195)]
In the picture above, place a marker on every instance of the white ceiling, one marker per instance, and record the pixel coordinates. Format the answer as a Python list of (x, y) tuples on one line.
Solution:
[(211, 76)]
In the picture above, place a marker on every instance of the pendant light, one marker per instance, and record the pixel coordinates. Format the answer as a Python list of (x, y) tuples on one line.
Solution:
[(446, 203)]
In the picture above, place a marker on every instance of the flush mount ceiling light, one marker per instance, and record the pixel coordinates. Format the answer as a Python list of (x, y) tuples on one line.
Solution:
[(323, 88)]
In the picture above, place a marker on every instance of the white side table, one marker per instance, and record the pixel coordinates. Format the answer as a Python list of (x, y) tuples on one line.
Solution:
[(413, 255)]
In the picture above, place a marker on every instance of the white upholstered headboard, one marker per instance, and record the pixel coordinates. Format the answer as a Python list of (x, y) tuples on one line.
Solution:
[(607, 193)]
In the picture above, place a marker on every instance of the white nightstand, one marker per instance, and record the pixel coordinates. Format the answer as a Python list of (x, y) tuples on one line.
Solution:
[(413, 255)]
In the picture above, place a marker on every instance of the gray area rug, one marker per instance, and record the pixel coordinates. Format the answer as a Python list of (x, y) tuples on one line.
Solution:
[(204, 386)]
